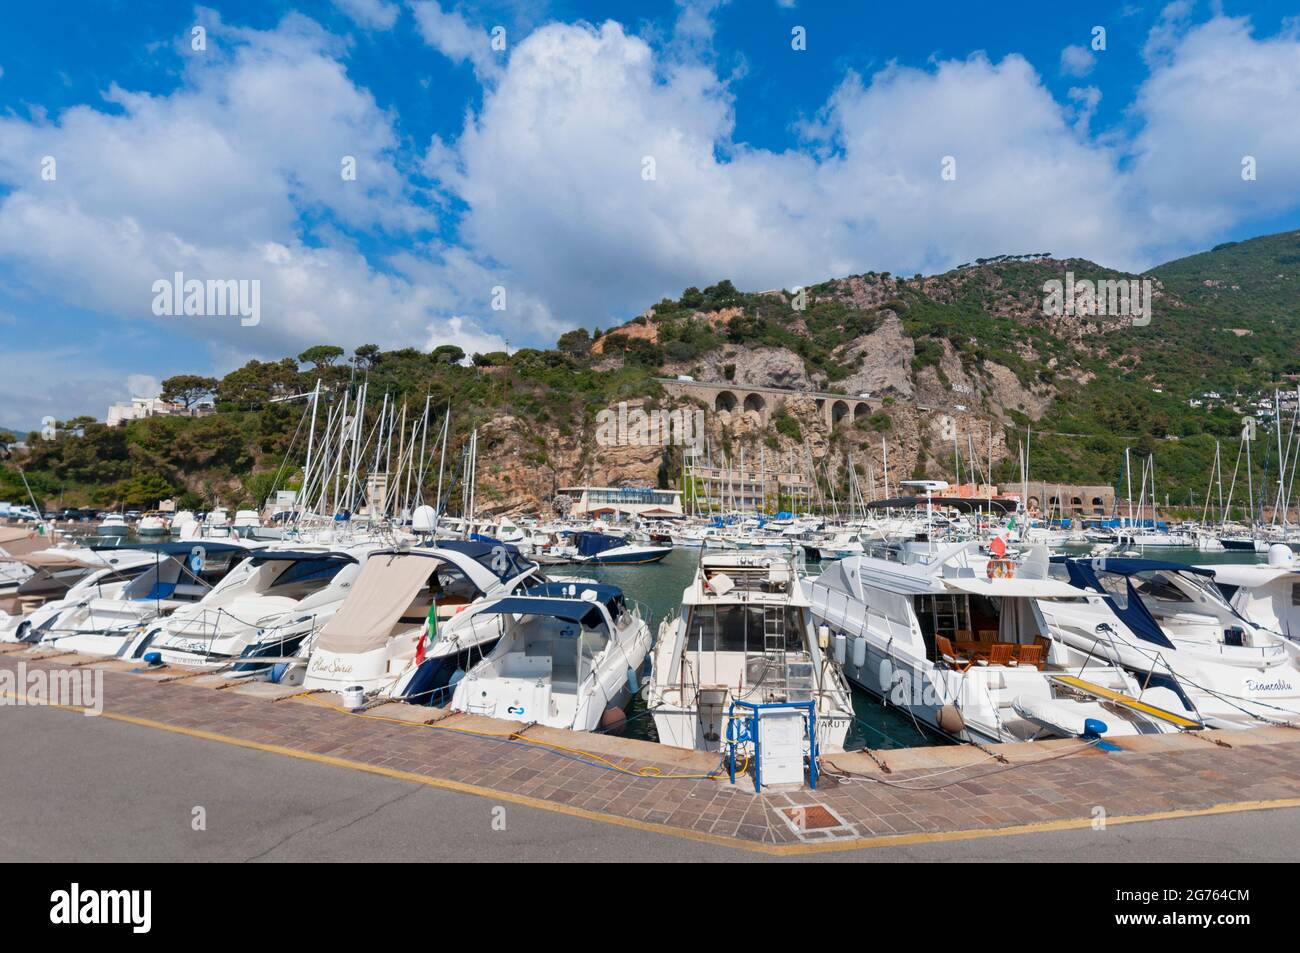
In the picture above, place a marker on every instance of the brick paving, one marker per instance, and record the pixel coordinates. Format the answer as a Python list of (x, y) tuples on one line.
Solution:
[(928, 791)]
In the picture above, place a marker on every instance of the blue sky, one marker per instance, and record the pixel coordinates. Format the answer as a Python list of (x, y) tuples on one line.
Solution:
[(524, 169)]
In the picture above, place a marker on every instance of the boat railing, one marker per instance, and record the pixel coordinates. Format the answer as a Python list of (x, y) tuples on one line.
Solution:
[(846, 613)]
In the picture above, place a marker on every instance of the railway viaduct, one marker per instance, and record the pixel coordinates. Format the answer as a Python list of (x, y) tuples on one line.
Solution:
[(765, 401)]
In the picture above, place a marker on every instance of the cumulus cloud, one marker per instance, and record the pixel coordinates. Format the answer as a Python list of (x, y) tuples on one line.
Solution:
[(601, 170), (371, 14), (220, 180), (456, 38), (1077, 61), (1219, 96), (564, 140)]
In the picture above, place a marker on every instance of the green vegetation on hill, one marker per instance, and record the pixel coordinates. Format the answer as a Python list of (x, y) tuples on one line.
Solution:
[(1224, 321)]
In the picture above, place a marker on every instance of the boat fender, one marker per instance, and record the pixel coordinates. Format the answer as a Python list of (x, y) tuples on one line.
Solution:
[(277, 672), (841, 647), (824, 637), (632, 684), (1093, 729), (613, 720), (885, 675), (859, 652), (951, 720)]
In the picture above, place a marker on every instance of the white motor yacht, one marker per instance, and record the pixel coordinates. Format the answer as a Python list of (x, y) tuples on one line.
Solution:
[(968, 652), (568, 657), (744, 633)]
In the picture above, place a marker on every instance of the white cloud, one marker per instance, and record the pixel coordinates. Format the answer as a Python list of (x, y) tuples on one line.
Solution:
[(456, 38), (558, 149), (143, 385), (1077, 61), (225, 176), (1219, 95), (215, 181), (371, 14)]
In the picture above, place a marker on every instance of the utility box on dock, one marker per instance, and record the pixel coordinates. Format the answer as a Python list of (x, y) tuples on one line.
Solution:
[(775, 733), (780, 745)]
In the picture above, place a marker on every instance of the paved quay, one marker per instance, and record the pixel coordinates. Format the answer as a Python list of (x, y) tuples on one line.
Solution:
[(603, 792)]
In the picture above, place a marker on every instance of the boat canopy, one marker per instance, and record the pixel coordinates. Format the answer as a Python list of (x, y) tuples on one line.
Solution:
[(592, 544), (1133, 613), (301, 555), (385, 588), (59, 559), (609, 596), (579, 611), (1128, 565)]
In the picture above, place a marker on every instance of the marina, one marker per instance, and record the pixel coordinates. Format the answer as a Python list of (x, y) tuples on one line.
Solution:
[(463, 432)]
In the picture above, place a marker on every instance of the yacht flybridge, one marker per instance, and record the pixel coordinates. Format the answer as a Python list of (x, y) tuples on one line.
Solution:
[(744, 633), (569, 655), (960, 642)]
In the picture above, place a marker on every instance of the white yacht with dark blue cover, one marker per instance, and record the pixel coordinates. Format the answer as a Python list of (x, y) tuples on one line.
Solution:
[(1170, 625), (568, 655)]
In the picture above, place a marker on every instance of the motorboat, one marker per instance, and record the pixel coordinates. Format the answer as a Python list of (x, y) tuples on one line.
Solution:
[(960, 642), (1169, 624), (151, 525), (181, 574), (744, 632), (107, 574), (179, 522), (612, 550), (115, 525), (568, 656), (404, 611), (265, 608)]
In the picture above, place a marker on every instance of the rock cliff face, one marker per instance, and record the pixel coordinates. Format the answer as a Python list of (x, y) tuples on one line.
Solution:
[(949, 363)]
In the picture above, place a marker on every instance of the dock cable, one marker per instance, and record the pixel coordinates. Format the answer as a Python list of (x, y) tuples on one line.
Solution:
[(846, 777)]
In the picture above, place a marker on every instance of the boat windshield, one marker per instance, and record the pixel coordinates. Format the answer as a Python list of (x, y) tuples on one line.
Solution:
[(740, 628)]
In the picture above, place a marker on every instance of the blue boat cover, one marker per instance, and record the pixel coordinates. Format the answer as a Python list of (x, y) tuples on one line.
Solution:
[(570, 610), (591, 544), (1083, 574)]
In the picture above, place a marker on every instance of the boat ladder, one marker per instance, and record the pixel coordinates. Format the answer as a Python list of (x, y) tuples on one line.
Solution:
[(776, 677)]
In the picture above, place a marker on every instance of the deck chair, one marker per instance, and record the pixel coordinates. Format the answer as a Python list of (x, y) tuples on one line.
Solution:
[(1030, 655), (1001, 653), (948, 654)]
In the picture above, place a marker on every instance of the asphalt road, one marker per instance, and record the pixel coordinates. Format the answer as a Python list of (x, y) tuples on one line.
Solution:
[(90, 789)]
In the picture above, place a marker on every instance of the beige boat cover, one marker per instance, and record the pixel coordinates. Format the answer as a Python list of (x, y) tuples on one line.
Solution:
[(16, 540), (384, 589), (58, 559)]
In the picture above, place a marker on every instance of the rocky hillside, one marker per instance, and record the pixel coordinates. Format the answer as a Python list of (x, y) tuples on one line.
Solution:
[(970, 357)]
